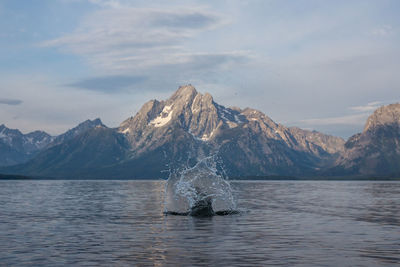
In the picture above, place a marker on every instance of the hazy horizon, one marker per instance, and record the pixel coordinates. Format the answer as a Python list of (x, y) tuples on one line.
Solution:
[(316, 65)]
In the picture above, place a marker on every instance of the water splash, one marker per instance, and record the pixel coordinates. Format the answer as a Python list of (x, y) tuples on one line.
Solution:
[(199, 190)]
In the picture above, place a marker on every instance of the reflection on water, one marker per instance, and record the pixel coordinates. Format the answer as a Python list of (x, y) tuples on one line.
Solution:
[(107, 223)]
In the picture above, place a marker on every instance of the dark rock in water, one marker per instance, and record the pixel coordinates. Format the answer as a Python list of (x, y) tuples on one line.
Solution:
[(202, 208), (199, 191), (226, 212)]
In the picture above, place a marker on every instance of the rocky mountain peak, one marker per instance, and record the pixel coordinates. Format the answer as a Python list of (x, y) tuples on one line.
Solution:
[(187, 109), (377, 149), (13, 135), (256, 115), (17, 147), (189, 126), (81, 128), (90, 124), (196, 117), (185, 90), (39, 136), (8, 133), (149, 110), (182, 98), (208, 98), (136, 124), (385, 115)]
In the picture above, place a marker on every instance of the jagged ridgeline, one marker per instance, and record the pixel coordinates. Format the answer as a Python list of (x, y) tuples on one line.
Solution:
[(375, 151), (16, 147), (166, 135)]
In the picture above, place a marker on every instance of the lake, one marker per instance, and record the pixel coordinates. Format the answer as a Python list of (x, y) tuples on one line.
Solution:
[(121, 223)]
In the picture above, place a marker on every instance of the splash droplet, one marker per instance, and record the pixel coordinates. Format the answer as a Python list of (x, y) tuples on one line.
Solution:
[(199, 190)]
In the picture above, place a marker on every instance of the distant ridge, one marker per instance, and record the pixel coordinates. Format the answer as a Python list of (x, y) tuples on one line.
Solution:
[(375, 151), (169, 134), (16, 148)]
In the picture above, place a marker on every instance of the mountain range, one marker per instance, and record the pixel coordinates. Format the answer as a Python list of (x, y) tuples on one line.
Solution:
[(16, 147), (165, 136)]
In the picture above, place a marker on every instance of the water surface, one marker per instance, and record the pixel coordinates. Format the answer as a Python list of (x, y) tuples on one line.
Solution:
[(109, 223)]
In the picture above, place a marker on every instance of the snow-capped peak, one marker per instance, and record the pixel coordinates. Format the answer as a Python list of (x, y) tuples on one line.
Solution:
[(164, 117)]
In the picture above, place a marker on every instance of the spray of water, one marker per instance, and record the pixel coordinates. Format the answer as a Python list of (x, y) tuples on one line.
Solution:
[(199, 190)]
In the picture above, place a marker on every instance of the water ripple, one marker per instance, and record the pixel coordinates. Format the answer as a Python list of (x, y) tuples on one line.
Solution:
[(121, 223)]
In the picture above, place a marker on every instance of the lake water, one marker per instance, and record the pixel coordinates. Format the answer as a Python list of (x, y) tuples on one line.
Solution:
[(121, 223)]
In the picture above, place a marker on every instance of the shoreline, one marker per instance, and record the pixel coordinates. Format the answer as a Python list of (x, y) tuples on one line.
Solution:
[(244, 178)]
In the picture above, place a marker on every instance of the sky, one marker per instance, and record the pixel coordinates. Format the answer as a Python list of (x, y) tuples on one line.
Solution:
[(318, 65)]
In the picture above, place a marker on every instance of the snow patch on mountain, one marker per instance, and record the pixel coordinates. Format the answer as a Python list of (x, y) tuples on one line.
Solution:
[(126, 131), (231, 124), (207, 137), (237, 119), (164, 117)]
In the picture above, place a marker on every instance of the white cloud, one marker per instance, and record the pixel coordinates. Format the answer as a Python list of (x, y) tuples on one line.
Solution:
[(101, 3), (131, 39), (368, 107), (357, 119), (353, 119), (106, 3), (311, 59), (48, 106), (382, 31)]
